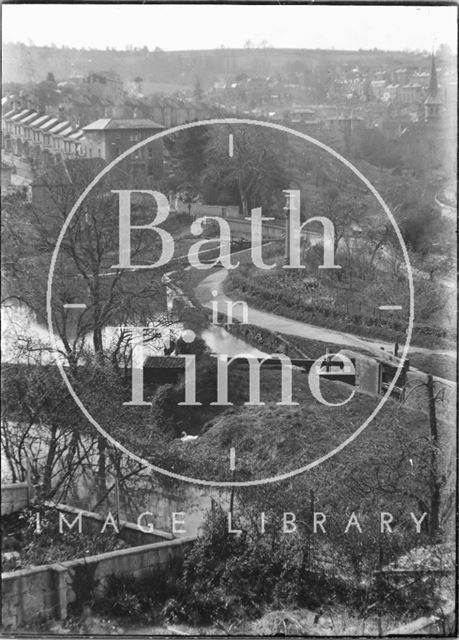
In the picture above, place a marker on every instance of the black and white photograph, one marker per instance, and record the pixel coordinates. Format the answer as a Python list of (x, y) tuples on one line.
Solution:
[(229, 319)]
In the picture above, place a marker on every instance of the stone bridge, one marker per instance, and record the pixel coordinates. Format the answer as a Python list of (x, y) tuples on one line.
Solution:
[(241, 228), (271, 231)]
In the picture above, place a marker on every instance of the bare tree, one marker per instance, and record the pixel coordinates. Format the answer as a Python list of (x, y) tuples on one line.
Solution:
[(86, 340), (257, 170)]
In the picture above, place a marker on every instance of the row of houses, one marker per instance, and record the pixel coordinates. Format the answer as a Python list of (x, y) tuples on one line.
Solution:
[(71, 101), (43, 140), (40, 138), (169, 111), (405, 94)]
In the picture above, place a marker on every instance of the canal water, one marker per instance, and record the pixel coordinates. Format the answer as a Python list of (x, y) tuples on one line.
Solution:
[(19, 324)]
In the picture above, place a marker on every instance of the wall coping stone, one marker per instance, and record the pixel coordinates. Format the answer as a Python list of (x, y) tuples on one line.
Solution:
[(123, 524), (69, 564)]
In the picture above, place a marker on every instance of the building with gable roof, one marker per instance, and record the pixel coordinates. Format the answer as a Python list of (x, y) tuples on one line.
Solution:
[(105, 85), (43, 140), (39, 139)]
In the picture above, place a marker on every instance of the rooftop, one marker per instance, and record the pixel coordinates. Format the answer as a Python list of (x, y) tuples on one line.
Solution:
[(75, 136), (434, 100), (164, 362), (21, 114), (105, 124), (59, 127), (46, 123), (49, 124), (28, 119), (68, 130), (41, 120)]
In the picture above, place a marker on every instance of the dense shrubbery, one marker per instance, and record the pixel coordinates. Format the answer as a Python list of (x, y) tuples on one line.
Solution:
[(287, 297), (271, 342), (237, 577), (143, 597), (172, 418)]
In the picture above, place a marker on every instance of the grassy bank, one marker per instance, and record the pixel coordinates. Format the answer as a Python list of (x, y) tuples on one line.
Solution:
[(297, 303), (441, 365)]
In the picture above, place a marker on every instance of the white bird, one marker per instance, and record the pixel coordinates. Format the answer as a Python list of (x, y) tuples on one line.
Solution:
[(187, 438)]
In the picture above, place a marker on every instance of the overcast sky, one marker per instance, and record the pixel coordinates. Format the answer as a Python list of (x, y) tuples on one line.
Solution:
[(206, 27)]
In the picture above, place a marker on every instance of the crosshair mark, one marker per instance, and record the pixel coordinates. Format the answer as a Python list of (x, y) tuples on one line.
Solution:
[(102, 430), (75, 305), (231, 145), (232, 459), (390, 307)]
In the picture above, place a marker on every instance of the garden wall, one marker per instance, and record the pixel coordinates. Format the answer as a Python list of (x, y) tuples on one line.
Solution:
[(92, 523), (198, 210), (14, 497), (44, 592)]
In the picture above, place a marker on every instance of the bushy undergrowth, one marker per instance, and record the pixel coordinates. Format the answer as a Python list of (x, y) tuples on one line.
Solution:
[(229, 576), (286, 296), (144, 597), (239, 577), (441, 365), (293, 346)]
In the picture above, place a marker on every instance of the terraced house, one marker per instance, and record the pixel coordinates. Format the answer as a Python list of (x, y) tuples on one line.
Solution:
[(39, 141)]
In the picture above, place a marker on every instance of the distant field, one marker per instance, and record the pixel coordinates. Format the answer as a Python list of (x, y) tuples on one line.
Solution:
[(23, 63)]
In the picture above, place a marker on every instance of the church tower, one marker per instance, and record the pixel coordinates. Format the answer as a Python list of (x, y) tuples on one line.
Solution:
[(433, 103)]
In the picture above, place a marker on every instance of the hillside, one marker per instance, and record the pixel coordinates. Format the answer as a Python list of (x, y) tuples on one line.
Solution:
[(273, 439), (23, 63)]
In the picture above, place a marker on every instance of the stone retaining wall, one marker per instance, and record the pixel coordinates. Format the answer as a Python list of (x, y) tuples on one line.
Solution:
[(14, 497), (92, 523), (43, 593), (200, 210)]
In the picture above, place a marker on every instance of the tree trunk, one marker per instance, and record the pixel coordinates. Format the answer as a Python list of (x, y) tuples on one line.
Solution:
[(373, 255), (243, 196), (435, 495), (6, 449), (101, 478), (72, 449), (245, 206), (97, 340), (47, 474)]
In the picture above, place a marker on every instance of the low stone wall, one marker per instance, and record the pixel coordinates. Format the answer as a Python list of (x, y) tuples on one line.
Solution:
[(92, 523), (23, 168), (243, 228), (199, 210), (14, 497), (43, 593)]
